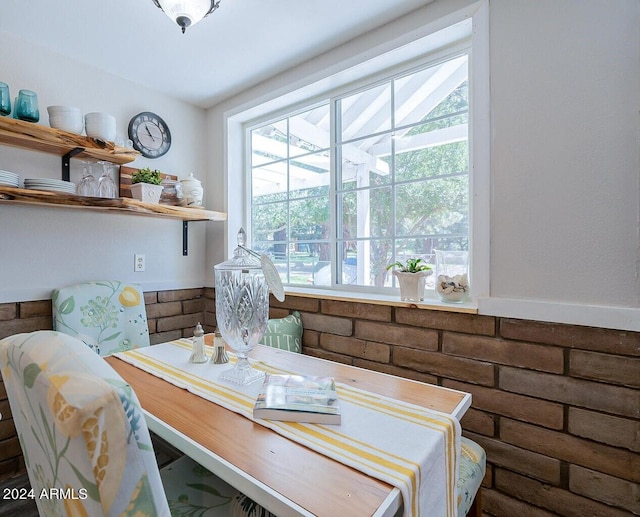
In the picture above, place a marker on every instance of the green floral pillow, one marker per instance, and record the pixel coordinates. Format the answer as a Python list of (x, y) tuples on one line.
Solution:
[(284, 333)]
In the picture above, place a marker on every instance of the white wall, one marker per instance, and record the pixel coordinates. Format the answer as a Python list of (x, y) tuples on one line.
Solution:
[(565, 151), (44, 248), (565, 95), (565, 157), (565, 164)]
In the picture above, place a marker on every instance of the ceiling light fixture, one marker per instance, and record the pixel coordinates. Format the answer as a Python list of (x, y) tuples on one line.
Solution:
[(187, 12)]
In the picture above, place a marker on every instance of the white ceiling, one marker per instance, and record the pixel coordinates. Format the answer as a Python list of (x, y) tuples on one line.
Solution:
[(241, 44)]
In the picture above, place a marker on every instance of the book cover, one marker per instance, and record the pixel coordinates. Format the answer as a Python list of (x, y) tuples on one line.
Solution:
[(298, 398)]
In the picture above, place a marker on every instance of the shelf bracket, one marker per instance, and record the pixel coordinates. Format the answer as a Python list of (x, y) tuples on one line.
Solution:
[(185, 238), (66, 162)]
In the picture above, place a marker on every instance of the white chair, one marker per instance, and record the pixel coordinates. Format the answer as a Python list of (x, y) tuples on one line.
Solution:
[(82, 431)]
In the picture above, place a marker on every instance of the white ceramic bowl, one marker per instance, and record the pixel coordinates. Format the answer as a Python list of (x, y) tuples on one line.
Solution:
[(66, 118), (62, 109), (100, 125)]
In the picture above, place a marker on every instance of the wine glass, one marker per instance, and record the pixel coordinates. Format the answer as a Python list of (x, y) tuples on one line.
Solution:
[(106, 185), (88, 185), (242, 309)]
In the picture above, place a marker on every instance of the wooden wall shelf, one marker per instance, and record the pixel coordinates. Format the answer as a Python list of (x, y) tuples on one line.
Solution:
[(123, 205), (37, 137)]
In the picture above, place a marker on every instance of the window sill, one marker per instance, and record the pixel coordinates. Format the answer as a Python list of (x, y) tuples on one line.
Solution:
[(433, 304)]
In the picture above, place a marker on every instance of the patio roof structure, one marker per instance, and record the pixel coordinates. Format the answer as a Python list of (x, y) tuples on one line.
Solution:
[(367, 135)]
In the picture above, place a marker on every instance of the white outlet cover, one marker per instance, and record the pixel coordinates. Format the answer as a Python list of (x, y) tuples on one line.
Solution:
[(139, 263)]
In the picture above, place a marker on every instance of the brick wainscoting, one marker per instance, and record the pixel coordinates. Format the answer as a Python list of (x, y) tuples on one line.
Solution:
[(557, 407)]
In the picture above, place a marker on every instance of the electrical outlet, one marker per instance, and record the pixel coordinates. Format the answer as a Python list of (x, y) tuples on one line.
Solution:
[(139, 263)]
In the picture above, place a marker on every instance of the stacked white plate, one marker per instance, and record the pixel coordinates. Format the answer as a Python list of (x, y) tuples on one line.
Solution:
[(10, 179), (50, 185)]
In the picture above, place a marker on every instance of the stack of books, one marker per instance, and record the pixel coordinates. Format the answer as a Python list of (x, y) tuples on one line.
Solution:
[(298, 398)]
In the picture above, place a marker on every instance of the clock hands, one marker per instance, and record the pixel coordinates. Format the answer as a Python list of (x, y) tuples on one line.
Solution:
[(149, 133)]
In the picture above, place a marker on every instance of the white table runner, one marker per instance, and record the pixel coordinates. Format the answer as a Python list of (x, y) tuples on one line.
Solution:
[(410, 447)]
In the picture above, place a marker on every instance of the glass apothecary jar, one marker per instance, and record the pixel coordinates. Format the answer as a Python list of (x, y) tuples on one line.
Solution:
[(452, 276), (242, 309)]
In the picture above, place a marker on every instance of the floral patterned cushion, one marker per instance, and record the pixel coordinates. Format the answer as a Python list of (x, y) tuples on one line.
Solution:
[(242, 506), (108, 316), (284, 333), (194, 491), (81, 430), (473, 464)]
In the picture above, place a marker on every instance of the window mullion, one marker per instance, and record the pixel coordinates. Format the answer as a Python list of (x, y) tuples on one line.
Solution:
[(335, 205)]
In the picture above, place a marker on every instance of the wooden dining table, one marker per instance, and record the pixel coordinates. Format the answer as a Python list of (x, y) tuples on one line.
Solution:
[(285, 477)]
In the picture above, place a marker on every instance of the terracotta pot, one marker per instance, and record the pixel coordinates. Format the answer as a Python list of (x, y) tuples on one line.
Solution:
[(411, 284)]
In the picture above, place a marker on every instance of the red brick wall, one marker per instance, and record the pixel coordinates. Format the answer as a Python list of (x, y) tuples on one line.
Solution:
[(557, 407)]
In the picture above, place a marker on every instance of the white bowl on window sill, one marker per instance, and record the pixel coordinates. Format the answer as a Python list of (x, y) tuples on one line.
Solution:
[(146, 192)]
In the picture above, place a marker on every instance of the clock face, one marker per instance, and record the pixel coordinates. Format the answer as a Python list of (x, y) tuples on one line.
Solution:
[(150, 134)]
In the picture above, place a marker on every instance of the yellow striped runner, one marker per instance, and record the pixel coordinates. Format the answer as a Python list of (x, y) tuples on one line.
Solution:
[(408, 446)]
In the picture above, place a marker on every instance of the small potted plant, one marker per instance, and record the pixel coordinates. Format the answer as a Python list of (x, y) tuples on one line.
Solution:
[(411, 276), (145, 185)]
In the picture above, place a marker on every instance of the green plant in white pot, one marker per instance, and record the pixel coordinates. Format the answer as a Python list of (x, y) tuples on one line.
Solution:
[(145, 185), (411, 276)]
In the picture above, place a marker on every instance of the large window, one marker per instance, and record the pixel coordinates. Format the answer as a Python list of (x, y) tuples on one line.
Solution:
[(344, 187)]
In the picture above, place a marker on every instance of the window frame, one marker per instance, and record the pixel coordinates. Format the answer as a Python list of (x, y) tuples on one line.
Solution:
[(290, 94), (332, 99)]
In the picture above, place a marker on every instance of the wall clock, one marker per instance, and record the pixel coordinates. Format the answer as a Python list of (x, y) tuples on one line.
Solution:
[(150, 134)]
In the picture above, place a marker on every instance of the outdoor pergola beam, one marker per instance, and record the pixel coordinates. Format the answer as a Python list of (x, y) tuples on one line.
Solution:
[(367, 113), (349, 152), (442, 136), (439, 87)]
